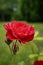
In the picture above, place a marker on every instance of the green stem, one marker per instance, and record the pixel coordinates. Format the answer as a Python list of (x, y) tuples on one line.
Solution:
[(11, 50), (12, 62)]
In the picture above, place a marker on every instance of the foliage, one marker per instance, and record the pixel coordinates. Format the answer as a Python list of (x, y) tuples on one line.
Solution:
[(29, 9)]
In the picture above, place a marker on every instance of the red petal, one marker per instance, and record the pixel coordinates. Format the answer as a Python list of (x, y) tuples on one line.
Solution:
[(10, 36), (7, 26)]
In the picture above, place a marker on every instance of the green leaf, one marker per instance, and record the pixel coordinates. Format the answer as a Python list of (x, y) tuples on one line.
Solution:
[(33, 55)]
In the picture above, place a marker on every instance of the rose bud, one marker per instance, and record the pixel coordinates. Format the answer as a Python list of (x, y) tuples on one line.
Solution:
[(15, 48), (8, 41)]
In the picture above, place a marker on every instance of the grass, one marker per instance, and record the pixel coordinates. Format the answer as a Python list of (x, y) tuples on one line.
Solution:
[(27, 53)]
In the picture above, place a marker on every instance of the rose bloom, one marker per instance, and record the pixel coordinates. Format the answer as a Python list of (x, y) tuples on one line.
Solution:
[(17, 30), (38, 62)]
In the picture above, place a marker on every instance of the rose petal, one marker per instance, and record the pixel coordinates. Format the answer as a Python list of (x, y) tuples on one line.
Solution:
[(10, 36)]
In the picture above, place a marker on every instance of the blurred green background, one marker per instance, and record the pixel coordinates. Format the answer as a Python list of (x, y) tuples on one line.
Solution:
[(27, 53), (31, 12)]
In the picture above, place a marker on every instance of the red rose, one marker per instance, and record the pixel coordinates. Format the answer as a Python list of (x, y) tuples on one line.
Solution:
[(17, 30), (38, 63)]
